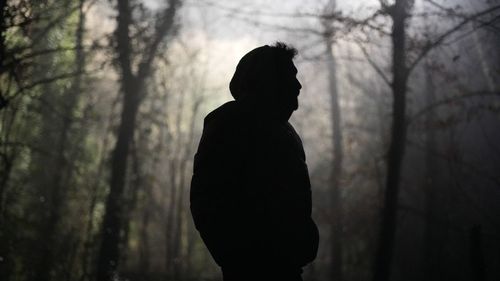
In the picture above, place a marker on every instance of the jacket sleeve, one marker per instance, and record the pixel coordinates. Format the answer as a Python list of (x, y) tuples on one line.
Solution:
[(293, 234), (218, 206)]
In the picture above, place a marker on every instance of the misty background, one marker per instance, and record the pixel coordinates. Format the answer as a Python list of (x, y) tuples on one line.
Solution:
[(102, 106)]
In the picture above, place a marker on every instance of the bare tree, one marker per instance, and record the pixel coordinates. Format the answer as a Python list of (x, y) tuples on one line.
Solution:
[(399, 13), (132, 88), (60, 172), (337, 146)]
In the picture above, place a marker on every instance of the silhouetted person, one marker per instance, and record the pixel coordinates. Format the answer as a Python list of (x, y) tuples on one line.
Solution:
[(250, 192)]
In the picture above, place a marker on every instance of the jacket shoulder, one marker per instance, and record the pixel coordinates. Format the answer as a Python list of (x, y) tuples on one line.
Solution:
[(224, 113)]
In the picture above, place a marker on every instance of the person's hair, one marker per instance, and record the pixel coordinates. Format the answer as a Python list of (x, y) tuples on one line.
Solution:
[(284, 50), (256, 68)]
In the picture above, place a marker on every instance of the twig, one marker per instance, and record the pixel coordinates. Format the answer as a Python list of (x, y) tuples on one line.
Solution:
[(450, 100), (442, 37), (469, 166), (374, 65)]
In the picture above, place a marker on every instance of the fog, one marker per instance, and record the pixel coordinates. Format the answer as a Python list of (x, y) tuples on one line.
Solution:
[(102, 106)]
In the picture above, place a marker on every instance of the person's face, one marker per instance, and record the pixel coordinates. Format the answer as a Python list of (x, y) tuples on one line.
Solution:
[(288, 88)]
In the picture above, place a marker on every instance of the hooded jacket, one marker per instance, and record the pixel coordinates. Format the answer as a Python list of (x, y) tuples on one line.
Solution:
[(250, 191)]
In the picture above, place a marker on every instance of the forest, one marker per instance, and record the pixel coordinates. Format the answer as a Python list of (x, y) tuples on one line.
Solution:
[(101, 112)]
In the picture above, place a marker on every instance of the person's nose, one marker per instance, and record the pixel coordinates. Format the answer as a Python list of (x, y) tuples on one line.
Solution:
[(298, 83)]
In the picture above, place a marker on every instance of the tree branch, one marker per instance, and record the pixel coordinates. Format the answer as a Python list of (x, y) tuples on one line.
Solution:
[(162, 29), (450, 100), (44, 81), (442, 37), (470, 167), (374, 65), (48, 51)]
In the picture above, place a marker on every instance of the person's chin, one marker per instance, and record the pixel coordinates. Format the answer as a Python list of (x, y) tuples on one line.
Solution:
[(284, 115)]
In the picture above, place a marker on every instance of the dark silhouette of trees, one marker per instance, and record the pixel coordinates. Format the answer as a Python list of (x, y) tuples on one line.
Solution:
[(337, 147), (34, 54), (399, 14), (59, 176), (398, 114), (430, 182), (132, 87), (401, 69)]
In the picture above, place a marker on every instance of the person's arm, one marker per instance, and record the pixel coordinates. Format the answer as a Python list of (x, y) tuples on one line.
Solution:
[(217, 205), (294, 235)]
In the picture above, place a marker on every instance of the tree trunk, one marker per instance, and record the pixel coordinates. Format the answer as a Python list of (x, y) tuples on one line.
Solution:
[(430, 257), (132, 90), (3, 7), (179, 170), (179, 219), (476, 254), (60, 172), (109, 252), (133, 186), (190, 231), (183, 175), (144, 245), (336, 169), (170, 223), (3, 27), (383, 259), (175, 205), (483, 60), (6, 163), (90, 237)]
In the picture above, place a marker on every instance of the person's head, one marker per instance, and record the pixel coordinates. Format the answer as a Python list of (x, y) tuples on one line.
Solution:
[(267, 76)]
